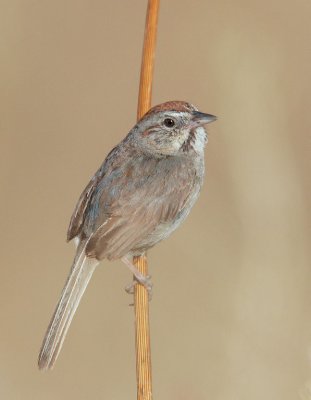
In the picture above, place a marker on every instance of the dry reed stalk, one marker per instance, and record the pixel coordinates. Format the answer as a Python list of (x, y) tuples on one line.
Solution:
[(141, 302), (147, 64)]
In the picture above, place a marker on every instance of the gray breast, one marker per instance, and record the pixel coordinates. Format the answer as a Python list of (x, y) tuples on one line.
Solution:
[(195, 173)]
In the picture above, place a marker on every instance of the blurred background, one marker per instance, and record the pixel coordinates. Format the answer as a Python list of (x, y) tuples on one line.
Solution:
[(231, 312)]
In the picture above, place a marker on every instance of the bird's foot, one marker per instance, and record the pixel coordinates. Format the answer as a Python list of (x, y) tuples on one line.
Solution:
[(139, 278), (145, 281)]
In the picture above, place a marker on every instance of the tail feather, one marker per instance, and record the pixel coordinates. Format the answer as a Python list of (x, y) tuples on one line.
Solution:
[(77, 281)]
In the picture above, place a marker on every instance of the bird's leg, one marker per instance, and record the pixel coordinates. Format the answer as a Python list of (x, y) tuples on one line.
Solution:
[(143, 280)]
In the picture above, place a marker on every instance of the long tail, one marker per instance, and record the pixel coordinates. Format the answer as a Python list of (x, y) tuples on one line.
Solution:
[(77, 281)]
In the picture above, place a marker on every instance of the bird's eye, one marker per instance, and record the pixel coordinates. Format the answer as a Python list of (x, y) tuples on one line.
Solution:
[(169, 122)]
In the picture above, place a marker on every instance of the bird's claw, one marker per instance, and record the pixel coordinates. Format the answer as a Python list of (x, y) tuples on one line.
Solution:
[(144, 281)]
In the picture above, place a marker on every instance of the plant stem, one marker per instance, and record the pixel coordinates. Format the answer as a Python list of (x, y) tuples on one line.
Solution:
[(141, 301)]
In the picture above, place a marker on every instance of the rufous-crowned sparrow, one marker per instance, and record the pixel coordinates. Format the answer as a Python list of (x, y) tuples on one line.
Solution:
[(142, 192)]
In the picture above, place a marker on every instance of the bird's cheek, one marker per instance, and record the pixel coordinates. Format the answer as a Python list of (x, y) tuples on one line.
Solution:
[(183, 136), (177, 142)]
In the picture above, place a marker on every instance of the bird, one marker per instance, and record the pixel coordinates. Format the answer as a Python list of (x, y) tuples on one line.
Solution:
[(142, 192)]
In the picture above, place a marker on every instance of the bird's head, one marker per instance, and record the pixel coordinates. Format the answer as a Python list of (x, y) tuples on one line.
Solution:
[(172, 128)]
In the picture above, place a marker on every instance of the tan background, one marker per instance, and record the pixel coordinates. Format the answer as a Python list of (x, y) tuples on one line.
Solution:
[(231, 314)]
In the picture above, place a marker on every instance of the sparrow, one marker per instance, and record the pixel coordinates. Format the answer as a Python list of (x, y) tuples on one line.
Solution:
[(142, 192)]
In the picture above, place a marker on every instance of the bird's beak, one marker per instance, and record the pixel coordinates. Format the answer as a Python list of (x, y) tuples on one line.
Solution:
[(200, 118)]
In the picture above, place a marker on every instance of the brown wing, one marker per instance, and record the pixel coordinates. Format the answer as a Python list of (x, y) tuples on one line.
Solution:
[(80, 212), (152, 196), (77, 217)]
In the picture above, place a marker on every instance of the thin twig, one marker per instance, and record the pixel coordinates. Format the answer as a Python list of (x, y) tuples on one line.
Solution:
[(143, 351), (141, 302), (147, 64)]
